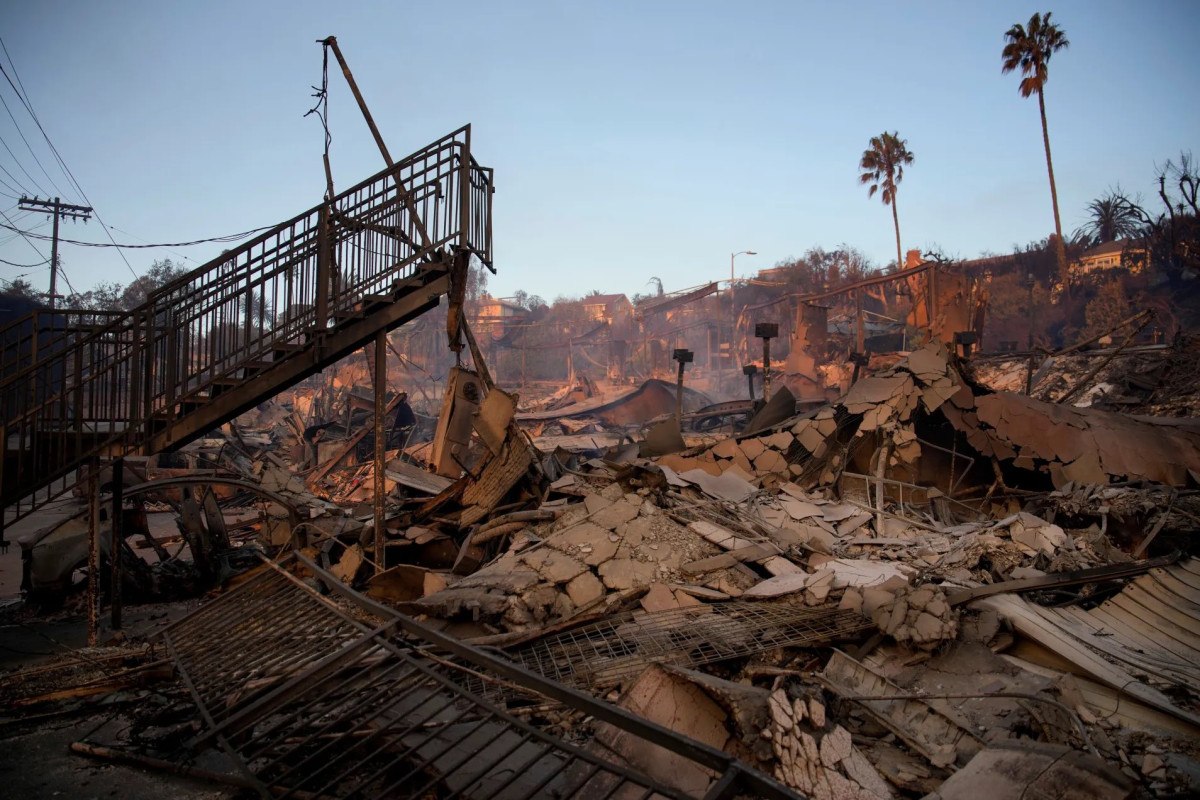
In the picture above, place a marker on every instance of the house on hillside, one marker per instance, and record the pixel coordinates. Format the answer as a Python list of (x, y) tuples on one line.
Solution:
[(615, 309), (1110, 255), (497, 308), (495, 315)]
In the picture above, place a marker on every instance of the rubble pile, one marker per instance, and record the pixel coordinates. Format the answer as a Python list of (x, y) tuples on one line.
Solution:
[(884, 596)]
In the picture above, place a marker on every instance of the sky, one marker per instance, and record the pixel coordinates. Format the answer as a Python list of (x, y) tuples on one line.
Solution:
[(629, 139)]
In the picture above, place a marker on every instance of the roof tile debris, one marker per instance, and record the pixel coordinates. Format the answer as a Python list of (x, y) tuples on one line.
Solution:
[(925, 586)]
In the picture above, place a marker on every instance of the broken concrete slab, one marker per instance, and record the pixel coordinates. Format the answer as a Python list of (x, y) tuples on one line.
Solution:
[(680, 705), (625, 573), (1022, 769)]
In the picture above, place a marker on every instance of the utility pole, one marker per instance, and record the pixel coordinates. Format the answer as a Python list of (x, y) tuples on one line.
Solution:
[(57, 209)]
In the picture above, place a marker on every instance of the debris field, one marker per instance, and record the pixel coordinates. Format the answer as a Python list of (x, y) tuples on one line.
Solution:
[(309, 563)]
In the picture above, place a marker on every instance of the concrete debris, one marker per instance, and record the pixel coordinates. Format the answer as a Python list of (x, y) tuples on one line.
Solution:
[(664, 698), (939, 736), (1014, 770), (1013, 576), (815, 755)]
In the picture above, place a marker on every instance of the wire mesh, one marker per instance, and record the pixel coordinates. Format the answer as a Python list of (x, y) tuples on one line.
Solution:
[(603, 654)]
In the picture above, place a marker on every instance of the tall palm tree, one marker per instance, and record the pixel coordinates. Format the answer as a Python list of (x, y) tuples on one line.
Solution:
[(882, 167), (1029, 48)]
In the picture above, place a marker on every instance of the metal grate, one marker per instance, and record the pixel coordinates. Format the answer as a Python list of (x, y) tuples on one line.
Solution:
[(605, 653), (309, 699)]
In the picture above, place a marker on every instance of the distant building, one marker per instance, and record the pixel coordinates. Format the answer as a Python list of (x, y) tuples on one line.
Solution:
[(1110, 255), (615, 309), (778, 275), (495, 315), (497, 308)]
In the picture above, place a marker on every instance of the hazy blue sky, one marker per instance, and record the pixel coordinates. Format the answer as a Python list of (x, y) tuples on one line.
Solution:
[(629, 139)]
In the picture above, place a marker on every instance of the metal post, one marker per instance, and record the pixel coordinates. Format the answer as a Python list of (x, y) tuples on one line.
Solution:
[(766, 331), (380, 444), (324, 257), (3, 454), (118, 531), (679, 395), (749, 370), (683, 356), (766, 368), (331, 42), (860, 339), (1029, 340), (732, 308), (54, 257), (93, 587)]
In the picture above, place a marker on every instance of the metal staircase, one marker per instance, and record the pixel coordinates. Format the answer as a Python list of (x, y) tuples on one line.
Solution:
[(239, 329)]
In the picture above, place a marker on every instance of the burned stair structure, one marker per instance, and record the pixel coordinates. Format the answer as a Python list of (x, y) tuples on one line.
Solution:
[(202, 349)]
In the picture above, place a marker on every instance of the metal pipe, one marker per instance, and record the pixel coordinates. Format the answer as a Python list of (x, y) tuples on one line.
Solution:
[(118, 531), (418, 223), (93, 587), (331, 42), (137, 759), (732, 308), (380, 444), (766, 368), (679, 396)]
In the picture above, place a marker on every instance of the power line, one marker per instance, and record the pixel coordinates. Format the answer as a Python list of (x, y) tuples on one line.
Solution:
[(22, 266), (61, 163), (24, 235), (147, 241), (19, 164), (22, 95), (12, 236), (19, 186), (232, 237)]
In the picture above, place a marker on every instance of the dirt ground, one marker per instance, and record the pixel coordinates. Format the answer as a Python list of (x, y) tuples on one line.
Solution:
[(35, 761)]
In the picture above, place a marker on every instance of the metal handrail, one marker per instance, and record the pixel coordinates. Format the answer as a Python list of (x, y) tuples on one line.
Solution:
[(282, 291)]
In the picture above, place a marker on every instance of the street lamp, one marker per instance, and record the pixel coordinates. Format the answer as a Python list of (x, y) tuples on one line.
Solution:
[(732, 308)]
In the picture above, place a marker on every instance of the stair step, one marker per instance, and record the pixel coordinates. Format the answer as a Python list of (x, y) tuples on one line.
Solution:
[(186, 405)]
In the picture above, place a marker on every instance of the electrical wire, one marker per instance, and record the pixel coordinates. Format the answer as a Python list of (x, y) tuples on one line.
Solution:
[(12, 236), (147, 241), (19, 164), (61, 163), (23, 266), (232, 237), (21, 133), (23, 96), (24, 235), (19, 186)]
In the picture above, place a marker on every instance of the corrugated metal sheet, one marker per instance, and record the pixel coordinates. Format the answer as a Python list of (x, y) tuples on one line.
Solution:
[(1143, 642)]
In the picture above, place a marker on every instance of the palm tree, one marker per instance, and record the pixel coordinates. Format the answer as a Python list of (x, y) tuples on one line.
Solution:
[(1028, 48), (1111, 217), (882, 167)]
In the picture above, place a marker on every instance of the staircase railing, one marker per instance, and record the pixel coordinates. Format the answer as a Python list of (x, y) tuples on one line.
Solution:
[(104, 389)]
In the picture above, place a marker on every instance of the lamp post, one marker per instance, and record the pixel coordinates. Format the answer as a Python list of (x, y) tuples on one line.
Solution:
[(1030, 281), (732, 308)]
